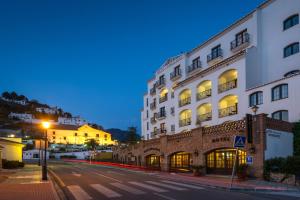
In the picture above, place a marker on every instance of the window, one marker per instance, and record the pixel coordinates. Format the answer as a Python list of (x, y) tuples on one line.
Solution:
[(162, 112), (240, 38), (173, 127), (147, 114), (177, 70), (85, 135), (75, 134), (280, 92), (53, 137), (65, 138), (291, 49), (256, 99), (147, 102), (291, 21), (53, 132), (97, 135), (161, 79), (196, 62), (215, 52), (147, 126), (281, 115), (292, 73)]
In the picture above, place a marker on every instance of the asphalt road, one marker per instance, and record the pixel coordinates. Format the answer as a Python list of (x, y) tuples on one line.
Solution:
[(85, 182)]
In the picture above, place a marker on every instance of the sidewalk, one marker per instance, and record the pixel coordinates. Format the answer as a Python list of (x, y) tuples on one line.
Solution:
[(25, 184)]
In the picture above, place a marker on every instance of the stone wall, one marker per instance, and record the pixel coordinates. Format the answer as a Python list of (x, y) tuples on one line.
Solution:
[(198, 142)]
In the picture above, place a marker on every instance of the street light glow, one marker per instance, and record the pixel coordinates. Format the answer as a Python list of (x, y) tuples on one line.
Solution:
[(46, 125)]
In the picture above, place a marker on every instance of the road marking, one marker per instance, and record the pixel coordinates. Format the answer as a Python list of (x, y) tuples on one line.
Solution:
[(76, 174), (78, 193), (113, 172), (105, 191), (166, 186), (108, 177), (184, 185), (156, 189), (164, 196), (60, 182), (128, 188)]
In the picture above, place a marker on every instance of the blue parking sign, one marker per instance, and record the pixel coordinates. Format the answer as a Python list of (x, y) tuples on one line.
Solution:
[(249, 160), (239, 141)]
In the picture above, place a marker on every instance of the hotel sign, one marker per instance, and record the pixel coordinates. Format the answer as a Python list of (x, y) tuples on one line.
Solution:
[(220, 139)]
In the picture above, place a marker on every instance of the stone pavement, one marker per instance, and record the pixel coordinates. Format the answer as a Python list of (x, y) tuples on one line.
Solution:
[(25, 184)]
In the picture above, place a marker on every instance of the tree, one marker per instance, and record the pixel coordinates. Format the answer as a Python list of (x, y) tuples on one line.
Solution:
[(91, 144), (14, 95), (6, 95)]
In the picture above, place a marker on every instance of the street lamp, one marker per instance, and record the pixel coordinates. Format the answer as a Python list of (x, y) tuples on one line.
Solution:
[(45, 125), (254, 109)]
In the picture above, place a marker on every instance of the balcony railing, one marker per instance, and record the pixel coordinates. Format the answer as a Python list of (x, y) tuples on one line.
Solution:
[(175, 74), (153, 105), (162, 131), (227, 86), (185, 101), (153, 91), (214, 55), (204, 94), (191, 68), (231, 110), (161, 115), (153, 119), (163, 98), (161, 83), (204, 117), (185, 122), (240, 42)]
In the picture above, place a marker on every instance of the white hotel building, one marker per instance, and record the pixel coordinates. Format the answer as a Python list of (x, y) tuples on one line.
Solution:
[(255, 61)]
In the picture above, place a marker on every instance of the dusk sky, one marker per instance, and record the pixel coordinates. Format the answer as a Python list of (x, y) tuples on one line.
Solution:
[(93, 58)]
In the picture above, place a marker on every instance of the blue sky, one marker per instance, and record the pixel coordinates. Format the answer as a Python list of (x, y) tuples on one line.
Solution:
[(93, 58)]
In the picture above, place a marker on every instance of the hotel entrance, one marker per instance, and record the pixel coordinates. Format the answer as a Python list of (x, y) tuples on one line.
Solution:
[(221, 161), (180, 162), (153, 162)]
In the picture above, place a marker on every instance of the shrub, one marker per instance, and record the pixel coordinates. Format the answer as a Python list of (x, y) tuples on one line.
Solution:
[(12, 164), (68, 156)]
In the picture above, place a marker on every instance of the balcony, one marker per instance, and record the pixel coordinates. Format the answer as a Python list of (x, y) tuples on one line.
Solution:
[(195, 67), (161, 115), (153, 119), (175, 75), (204, 117), (161, 83), (185, 122), (153, 91), (204, 94), (231, 110), (153, 105), (161, 131), (227, 86), (240, 43), (215, 57), (185, 101), (163, 98)]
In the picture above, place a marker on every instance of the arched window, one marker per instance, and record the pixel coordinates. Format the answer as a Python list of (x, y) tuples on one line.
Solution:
[(291, 21), (185, 118), (163, 95), (227, 80), (280, 92), (256, 98), (228, 105), (291, 49), (292, 73), (204, 90), (281, 115), (185, 97)]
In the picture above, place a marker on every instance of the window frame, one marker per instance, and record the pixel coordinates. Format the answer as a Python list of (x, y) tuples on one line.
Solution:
[(256, 98), (281, 86), (280, 114), (291, 20), (291, 47)]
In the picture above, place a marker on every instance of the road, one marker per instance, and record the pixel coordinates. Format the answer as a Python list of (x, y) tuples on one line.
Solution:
[(86, 182)]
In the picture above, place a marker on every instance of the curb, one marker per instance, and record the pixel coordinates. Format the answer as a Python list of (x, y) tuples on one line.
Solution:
[(58, 185)]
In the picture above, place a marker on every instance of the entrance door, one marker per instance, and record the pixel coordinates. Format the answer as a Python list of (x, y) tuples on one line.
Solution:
[(153, 162), (180, 162), (221, 161)]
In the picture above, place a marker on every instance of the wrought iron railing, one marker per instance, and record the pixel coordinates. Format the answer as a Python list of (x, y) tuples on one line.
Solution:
[(161, 115), (185, 122), (193, 67), (227, 86), (204, 117), (175, 74), (185, 101), (160, 83), (244, 39), (153, 105), (203, 94), (231, 110), (214, 55), (163, 98)]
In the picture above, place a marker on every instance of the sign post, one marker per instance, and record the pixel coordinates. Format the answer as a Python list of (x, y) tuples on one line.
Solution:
[(239, 142)]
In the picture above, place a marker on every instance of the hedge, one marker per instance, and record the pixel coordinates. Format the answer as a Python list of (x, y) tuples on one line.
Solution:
[(68, 156), (12, 164)]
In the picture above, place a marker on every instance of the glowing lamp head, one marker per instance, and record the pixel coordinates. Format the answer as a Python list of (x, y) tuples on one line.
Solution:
[(46, 125)]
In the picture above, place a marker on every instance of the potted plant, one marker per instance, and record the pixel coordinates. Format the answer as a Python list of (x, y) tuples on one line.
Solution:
[(197, 170), (242, 172)]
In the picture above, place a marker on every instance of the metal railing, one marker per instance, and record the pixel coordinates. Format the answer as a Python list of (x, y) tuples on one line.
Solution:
[(193, 67), (163, 98), (214, 55), (204, 94), (161, 115), (153, 119), (227, 86), (185, 101), (245, 39), (231, 110), (160, 83), (153, 105), (175, 74), (153, 91), (185, 122), (204, 117)]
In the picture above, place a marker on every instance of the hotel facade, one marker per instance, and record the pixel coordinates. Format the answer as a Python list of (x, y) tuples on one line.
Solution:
[(204, 95)]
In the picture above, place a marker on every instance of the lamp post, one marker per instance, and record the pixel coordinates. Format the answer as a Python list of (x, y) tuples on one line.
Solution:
[(46, 125), (254, 109)]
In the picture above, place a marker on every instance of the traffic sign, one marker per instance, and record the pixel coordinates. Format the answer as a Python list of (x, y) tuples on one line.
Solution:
[(249, 160), (239, 141)]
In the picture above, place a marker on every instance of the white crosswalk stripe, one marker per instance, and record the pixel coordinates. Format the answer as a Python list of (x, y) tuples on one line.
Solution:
[(78, 193), (167, 186), (105, 191), (149, 187), (128, 188), (184, 185)]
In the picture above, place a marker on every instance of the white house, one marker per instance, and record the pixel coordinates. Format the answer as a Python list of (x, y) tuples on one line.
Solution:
[(252, 65), (76, 121), (53, 110), (21, 102)]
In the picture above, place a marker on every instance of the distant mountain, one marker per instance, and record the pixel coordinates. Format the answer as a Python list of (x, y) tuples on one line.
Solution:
[(120, 135)]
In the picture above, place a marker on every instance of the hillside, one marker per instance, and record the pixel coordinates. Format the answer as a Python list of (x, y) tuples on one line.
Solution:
[(120, 135)]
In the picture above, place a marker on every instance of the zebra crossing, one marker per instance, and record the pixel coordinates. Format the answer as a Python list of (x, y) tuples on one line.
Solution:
[(131, 187)]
